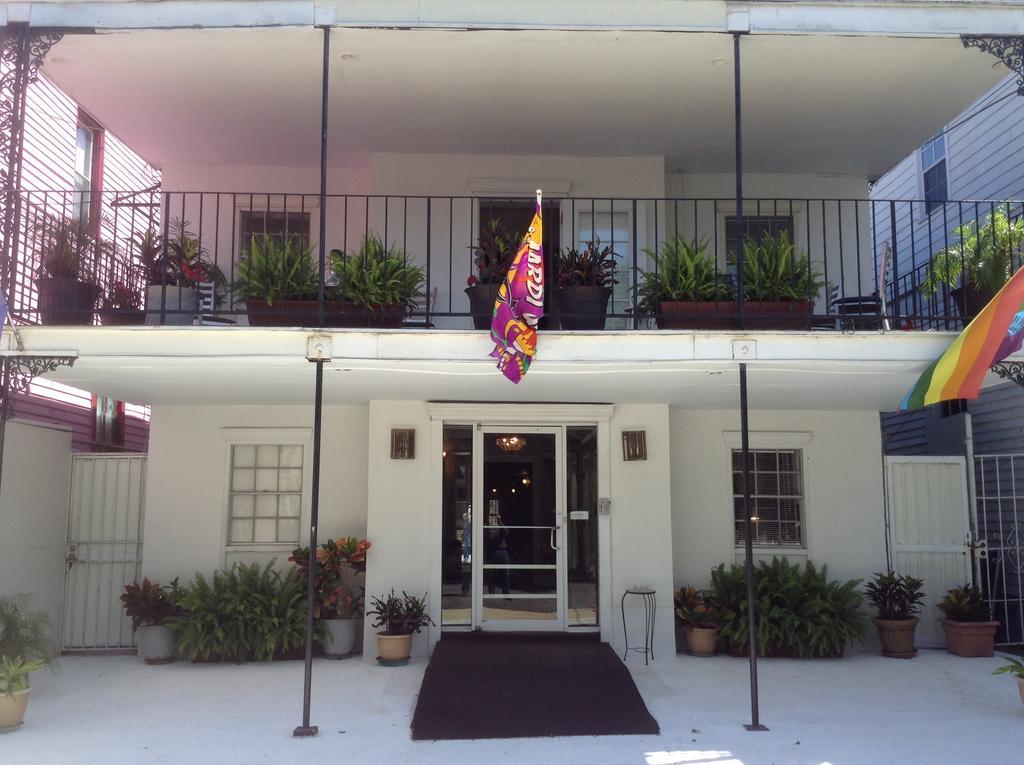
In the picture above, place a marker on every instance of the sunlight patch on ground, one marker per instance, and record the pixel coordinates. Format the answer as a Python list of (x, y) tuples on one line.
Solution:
[(709, 757)]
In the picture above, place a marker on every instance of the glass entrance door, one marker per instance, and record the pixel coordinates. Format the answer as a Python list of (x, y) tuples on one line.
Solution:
[(518, 509)]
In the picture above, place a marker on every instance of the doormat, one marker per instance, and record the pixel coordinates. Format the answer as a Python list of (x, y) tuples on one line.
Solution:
[(483, 685)]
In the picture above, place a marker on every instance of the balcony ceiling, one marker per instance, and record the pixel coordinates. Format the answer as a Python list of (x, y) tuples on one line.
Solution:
[(213, 366), (844, 105)]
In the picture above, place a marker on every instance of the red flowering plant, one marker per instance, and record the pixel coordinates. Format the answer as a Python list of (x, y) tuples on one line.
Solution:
[(340, 564), (122, 296), (177, 259)]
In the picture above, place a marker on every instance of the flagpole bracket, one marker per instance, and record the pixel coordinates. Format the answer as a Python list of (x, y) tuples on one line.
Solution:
[(1007, 48), (1010, 370), (18, 371)]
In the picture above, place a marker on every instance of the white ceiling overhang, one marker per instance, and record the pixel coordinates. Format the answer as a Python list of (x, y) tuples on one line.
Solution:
[(211, 366), (812, 104)]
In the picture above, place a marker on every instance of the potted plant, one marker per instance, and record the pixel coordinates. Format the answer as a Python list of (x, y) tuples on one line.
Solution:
[(968, 623), (685, 290), (979, 264), (779, 284), (699, 619), (24, 649), (398, 618), (150, 607), (172, 268), (377, 285), (896, 598), (68, 254), (492, 255), (340, 564), (277, 279), (121, 305), (1013, 667), (584, 279)]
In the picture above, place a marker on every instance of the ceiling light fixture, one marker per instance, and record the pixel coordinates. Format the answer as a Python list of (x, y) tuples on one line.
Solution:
[(510, 443), (349, 56), (719, 61)]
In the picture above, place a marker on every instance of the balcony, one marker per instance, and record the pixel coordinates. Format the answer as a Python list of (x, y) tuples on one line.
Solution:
[(244, 259)]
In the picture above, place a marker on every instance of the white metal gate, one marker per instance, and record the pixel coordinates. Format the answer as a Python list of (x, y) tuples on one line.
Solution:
[(104, 548), (999, 494), (929, 530)]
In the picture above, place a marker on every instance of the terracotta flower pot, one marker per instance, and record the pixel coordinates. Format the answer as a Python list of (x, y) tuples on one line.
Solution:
[(12, 709), (897, 636), (697, 314), (393, 648), (701, 641), (781, 314), (970, 639)]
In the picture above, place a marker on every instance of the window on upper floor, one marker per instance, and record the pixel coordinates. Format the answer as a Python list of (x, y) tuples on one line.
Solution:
[(756, 228), (776, 497), (85, 144), (933, 169), (279, 224)]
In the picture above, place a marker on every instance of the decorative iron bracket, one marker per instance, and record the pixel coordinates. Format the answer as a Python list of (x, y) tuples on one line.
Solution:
[(17, 372), (22, 51), (1010, 370), (1007, 48)]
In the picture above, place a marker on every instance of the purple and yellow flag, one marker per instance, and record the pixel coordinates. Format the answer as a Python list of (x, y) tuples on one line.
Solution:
[(520, 305), (996, 332)]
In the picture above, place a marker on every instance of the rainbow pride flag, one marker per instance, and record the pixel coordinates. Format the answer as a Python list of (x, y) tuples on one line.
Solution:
[(995, 333), (520, 304)]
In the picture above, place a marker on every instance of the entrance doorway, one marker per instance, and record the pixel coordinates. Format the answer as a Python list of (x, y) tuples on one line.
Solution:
[(519, 528)]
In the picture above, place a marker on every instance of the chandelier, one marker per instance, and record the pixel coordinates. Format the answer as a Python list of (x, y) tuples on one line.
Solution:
[(510, 443)]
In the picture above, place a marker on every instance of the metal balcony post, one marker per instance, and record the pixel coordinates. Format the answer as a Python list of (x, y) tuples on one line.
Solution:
[(737, 90), (306, 729)]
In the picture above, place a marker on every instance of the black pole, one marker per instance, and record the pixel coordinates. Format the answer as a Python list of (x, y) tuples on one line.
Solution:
[(324, 92), (748, 544), (738, 103), (306, 730)]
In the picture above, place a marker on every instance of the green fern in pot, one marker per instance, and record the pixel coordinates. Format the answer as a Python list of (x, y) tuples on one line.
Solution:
[(275, 269), (378, 278), (685, 290)]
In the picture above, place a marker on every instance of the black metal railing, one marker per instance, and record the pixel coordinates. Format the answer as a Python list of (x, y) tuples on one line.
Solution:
[(164, 257)]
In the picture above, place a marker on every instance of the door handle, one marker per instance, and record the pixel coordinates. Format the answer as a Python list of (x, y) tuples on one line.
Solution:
[(551, 538)]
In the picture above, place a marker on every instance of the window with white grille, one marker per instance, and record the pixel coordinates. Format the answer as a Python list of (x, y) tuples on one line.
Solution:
[(776, 497), (265, 493)]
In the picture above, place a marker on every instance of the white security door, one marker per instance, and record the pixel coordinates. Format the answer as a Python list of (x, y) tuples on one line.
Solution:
[(929, 530), (104, 550), (518, 527)]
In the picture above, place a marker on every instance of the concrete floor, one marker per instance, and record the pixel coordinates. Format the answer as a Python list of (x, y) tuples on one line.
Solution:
[(862, 709)]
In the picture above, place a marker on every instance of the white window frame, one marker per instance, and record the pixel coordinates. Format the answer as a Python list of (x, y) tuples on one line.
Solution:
[(270, 437), (771, 440), (297, 204), (921, 170), (785, 208), (572, 212)]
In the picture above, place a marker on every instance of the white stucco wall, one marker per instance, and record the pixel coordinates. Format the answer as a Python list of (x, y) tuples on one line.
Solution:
[(641, 526), (843, 487), (34, 503), (186, 492)]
